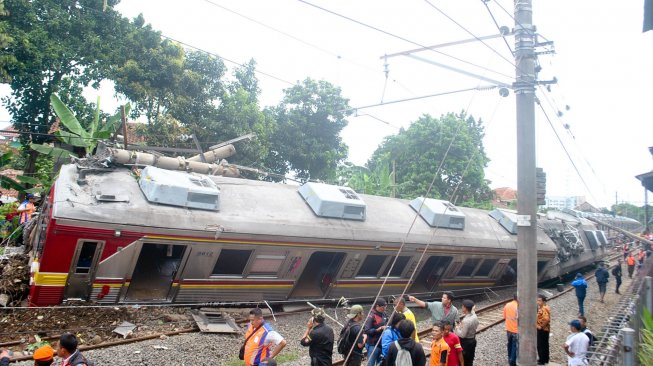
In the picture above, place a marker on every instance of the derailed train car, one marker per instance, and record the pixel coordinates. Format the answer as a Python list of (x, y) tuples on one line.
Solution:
[(107, 236)]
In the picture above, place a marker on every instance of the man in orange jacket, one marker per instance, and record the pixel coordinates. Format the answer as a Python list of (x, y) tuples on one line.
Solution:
[(511, 316), (631, 264)]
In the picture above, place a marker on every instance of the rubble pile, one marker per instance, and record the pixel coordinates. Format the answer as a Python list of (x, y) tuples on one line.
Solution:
[(14, 280)]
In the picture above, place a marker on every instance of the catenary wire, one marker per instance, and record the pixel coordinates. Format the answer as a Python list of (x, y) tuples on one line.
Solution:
[(498, 26), (471, 34), (309, 44), (565, 149), (403, 38)]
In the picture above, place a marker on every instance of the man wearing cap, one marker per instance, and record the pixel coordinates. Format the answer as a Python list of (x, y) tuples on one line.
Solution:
[(576, 345), (440, 310), (319, 339), (43, 356), (466, 331), (350, 332), (26, 209), (374, 327), (581, 290)]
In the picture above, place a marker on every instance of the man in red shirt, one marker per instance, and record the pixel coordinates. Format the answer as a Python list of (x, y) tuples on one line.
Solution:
[(455, 357)]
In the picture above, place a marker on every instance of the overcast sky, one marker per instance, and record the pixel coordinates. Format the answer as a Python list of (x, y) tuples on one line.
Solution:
[(603, 62)]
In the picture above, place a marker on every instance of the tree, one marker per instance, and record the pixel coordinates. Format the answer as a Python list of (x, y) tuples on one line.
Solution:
[(5, 40), (419, 151), (307, 138), (58, 47)]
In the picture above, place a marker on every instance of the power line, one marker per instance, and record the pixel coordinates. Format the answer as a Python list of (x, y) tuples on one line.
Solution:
[(401, 38), (226, 59), (565, 150), (489, 87), (516, 21), (498, 26), (470, 33)]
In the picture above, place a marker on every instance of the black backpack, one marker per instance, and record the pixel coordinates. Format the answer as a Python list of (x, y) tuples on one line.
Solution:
[(344, 342)]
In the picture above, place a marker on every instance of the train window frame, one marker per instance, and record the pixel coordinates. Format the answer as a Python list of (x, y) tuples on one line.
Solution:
[(494, 261), (378, 264), (244, 266), (398, 266), (463, 266), (262, 255), (97, 252)]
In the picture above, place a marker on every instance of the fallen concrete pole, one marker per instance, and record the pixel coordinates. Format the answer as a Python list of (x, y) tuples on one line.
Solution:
[(120, 156), (215, 155)]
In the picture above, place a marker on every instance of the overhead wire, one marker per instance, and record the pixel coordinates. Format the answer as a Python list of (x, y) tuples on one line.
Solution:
[(565, 149), (402, 38), (498, 26), (512, 63)]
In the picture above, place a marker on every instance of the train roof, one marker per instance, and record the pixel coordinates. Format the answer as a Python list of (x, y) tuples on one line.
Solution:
[(267, 209)]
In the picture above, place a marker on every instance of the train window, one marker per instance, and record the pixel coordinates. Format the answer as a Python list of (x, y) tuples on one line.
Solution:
[(231, 262), (541, 265), (267, 263), (85, 259), (486, 267), (371, 265), (398, 268), (468, 267)]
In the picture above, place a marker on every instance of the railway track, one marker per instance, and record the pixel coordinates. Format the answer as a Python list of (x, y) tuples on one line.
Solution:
[(491, 315)]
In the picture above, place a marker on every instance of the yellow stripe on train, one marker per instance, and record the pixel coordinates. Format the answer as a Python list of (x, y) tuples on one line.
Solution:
[(50, 279)]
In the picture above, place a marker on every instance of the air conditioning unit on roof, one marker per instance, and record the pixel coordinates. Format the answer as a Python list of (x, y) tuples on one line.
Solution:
[(179, 189), (332, 201), (439, 213)]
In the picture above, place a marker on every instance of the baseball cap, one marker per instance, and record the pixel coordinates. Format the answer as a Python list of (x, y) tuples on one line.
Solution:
[(578, 275), (318, 312), (380, 302), (355, 310), (45, 353), (575, 323)]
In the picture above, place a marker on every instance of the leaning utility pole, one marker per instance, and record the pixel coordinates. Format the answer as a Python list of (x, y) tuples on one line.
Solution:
[(524, 88)]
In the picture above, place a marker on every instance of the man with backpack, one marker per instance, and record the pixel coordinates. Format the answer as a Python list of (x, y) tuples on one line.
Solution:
[(390, 334), (352, 340), (374, 327), (405, 351)]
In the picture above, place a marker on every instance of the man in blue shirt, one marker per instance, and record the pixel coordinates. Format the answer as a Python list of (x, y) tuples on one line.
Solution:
[(391, 334), (581, 290)]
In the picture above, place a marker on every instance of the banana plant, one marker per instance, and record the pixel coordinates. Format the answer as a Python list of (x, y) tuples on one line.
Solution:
[(75, 134), (9, 183)]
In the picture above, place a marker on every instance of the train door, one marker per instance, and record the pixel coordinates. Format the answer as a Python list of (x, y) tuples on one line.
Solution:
[(320, 271), (155, 272), (431, 274), (82, 270)]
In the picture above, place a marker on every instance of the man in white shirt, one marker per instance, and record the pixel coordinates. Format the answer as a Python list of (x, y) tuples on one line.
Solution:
[(576, 345)]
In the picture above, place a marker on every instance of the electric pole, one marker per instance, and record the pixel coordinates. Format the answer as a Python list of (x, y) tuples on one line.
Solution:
[(524, 88)]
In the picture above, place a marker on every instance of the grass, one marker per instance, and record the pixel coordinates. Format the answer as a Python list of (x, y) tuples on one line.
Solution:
[(281, 358)]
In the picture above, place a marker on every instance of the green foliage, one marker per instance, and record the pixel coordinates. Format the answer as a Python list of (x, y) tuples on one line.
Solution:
[(419, 150), (377, 182), (629, 210), (5, 41), (645, 353), (307, 138), (281, 358)]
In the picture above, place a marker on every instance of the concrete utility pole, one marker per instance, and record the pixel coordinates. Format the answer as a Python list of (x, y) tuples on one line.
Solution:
[(524, 88)]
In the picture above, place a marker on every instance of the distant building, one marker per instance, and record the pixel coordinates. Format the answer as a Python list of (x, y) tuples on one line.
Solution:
[(587, 207), (561, 202), (504, 197), (8, 135)]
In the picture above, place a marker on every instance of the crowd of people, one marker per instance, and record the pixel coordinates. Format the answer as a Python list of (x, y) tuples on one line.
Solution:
[(387, 340), (44, 356)]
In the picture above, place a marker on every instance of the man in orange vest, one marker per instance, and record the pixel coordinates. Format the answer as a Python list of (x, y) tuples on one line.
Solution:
[(511, 316), (26, 209), (259, 337), (631, 265), (641, 256)]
